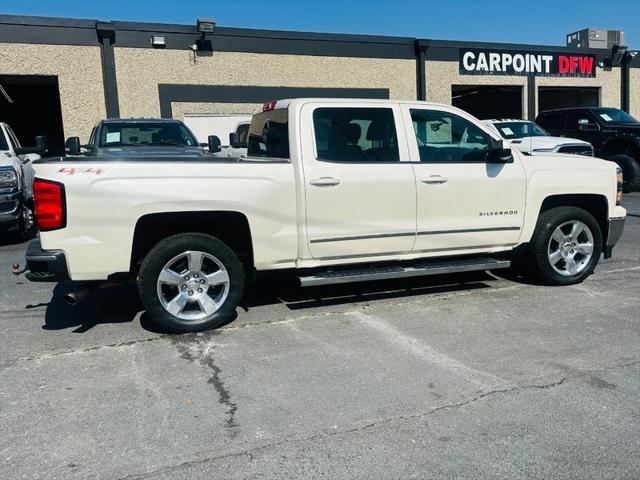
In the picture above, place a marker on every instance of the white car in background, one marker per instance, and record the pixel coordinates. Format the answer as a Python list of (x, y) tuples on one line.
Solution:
[(16, 180), (532, 139)]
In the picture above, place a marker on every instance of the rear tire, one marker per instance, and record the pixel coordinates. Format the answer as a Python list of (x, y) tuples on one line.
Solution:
[(191, 282), (630, 172), (566, 246)]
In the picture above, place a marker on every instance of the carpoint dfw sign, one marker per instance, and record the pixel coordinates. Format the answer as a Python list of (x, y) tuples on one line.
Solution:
[(507, 62)]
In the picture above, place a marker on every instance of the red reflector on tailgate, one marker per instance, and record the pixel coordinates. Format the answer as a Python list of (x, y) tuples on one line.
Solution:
[(49, 204)]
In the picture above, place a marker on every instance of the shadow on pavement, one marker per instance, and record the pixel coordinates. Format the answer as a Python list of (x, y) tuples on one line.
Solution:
[(284, 289), (117, 304), (121, 304)]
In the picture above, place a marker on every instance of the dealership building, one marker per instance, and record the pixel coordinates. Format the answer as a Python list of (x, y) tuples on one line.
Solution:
[(58, 77)]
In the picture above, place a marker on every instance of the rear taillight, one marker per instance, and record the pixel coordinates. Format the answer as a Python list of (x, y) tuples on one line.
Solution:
[(49, 202)]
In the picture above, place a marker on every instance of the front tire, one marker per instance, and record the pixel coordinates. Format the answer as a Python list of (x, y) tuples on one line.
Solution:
[(191, 282), (566, 245)]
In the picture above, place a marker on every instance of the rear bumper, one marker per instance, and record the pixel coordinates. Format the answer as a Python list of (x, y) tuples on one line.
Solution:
[(44, 265), (616, 226)]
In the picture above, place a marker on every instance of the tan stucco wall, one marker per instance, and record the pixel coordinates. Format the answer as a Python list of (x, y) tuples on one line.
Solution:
[(634, 91), (179, 109), (441, 75), (139, 71), (609, 83), (79, 73)]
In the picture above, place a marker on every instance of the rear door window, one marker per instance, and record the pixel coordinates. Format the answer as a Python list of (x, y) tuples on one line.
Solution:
[(346, 134), (269, 135)]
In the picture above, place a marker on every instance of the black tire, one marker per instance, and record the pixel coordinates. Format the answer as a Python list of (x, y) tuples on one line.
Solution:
[(630, 172), (168, 249), (539, 246)]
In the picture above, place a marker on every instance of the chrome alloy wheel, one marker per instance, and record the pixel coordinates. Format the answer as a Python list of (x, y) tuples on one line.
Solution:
[(570, 248), (193, 285)]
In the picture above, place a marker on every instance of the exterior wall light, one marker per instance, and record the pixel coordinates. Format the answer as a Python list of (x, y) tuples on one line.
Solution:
[(158, 41), (206, 26)]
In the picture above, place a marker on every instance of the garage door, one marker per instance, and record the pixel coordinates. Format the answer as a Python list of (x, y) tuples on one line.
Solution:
[(30, 104), (550, 98), (488, 101)]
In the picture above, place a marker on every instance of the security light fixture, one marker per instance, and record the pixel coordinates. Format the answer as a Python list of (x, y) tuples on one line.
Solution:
[(618, 53), (158, 41), (206, 26)]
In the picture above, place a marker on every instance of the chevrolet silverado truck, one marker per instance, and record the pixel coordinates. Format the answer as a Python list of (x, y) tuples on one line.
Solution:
[(532, 139), (334, 190)]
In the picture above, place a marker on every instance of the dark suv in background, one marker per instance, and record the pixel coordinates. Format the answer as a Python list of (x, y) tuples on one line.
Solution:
[(614, 134)]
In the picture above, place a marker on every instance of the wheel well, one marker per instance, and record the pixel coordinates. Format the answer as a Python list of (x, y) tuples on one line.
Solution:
[(596, 205), (621, 145), (230, 227)]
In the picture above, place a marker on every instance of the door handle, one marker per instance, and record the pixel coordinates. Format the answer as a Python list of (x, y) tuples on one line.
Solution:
[(434, 179), (324, 182)]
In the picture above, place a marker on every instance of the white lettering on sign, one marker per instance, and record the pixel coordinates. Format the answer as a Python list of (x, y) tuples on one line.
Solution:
[(465, 60), (475, 61)]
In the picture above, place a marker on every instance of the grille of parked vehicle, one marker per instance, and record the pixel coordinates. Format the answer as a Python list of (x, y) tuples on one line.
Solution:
[(577, 150), (8, 206)]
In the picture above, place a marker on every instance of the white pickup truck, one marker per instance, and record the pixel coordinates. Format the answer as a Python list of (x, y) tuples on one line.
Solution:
[(336, 190), (532, 139)]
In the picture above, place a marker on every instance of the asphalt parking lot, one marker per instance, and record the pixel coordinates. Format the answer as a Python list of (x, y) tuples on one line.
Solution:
[(467, 376)]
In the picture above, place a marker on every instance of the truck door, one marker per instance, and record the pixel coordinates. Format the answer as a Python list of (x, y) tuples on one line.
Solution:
[(462, 201), (582, 125), (359, 185)]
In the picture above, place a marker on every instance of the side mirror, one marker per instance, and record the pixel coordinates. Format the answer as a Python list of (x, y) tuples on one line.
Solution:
[(585, 126), (233, 139), (214, 144), (72, 146), (500, 155), (43, 142)]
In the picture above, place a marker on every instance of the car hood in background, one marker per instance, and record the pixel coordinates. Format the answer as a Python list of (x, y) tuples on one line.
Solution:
[(548, 142), (151, 151)]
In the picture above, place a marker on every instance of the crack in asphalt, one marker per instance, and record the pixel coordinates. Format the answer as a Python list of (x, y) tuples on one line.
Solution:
[(452, 406), (194, 348)]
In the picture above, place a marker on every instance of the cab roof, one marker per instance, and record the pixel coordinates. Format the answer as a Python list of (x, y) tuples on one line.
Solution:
[(286, 102)]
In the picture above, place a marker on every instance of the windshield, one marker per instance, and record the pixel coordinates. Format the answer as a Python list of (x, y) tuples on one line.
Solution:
[(510, 130), (613, 115), (3, 141), (130, 134)]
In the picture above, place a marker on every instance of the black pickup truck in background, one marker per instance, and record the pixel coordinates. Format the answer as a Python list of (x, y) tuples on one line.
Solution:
[(614, 134), (120, 138)]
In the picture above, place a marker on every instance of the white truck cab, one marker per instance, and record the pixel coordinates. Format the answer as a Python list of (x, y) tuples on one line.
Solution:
[(16, 178), (335, 190), (532, 139)]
